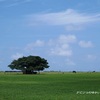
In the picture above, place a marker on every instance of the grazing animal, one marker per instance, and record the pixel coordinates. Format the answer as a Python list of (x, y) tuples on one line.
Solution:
[(74, 71)]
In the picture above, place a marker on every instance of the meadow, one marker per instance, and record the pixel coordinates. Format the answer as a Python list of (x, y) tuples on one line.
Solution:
[(50, 86)]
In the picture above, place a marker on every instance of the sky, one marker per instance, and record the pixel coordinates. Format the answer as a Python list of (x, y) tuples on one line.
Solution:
[(65, 32)]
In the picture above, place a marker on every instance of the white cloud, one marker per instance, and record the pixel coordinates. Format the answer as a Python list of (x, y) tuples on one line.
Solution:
[(12, 3), (16, 56), (58, 47), (37, 43), (60, 51), (62, 45), (86, 44), (70, 18), (67, 38)]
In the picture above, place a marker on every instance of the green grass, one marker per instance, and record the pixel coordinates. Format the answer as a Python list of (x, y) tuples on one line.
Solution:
[(49, 86)]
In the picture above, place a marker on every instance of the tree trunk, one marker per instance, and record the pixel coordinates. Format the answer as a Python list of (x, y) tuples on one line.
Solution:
[(27, 72)]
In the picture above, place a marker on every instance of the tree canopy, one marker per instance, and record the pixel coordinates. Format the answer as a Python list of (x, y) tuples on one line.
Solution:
[(30, 64)]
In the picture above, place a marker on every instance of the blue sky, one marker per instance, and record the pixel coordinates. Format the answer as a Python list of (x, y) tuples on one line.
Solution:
[(65, 32)]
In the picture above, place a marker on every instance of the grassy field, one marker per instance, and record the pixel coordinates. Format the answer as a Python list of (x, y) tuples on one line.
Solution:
[(50, 86)]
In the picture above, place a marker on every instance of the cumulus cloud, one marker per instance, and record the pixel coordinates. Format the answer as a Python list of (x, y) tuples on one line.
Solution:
[(86, 44), (37, 43), (61, 51), (62, 46), (69, 18), (67, 38), (16, 56)]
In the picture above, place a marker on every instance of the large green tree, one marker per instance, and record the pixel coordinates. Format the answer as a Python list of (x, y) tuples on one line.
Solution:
[(29, 65)]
